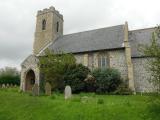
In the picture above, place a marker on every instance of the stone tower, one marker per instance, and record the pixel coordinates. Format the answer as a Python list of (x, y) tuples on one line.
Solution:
[(49, 26)]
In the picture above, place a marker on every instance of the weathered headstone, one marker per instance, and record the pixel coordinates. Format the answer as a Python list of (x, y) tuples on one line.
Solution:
[(84, 99), (67, 92), (35, 90), (7, 85), (3, 86), (11, 85), (48, 89)]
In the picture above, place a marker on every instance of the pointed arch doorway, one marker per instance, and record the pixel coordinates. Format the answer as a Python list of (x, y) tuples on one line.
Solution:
[(30, 80)]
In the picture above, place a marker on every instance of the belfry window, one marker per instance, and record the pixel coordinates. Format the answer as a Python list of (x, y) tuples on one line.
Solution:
[(44, 24), (57, 26)]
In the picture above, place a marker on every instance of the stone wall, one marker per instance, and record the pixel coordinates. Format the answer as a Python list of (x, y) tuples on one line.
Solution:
[(88, 59), (116, 59), (141, 75)]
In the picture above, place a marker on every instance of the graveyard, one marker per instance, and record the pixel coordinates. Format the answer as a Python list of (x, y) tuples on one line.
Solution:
[(16, 105), (79, 60)]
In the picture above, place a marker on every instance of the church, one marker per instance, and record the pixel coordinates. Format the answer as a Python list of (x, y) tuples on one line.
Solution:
[(114, 47)]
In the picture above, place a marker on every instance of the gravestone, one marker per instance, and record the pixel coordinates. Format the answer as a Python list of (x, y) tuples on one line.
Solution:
[(35, 90), (7, 86), (67, 92), (84, 99), (11, 85), (3, 86), (48, 89)]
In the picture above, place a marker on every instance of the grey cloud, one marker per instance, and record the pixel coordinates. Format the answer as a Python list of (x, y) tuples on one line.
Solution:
[(18, 20)]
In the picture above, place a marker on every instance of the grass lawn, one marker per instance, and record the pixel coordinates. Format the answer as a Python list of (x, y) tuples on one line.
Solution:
[(22, 106)]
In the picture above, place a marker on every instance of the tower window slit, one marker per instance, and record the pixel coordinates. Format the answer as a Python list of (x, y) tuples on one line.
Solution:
[(57, 26), (44, 24)]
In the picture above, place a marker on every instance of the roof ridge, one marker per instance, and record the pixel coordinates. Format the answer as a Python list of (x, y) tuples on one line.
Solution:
[(142, 29)]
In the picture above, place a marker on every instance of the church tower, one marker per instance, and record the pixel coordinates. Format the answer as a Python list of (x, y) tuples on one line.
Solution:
[(49, 26)]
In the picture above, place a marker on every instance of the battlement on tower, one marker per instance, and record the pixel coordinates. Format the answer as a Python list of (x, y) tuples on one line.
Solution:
[(49, 26), (51, 9)]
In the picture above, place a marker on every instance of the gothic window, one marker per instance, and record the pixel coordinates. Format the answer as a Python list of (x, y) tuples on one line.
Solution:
[(57, 26), (102, 61), (44, 24)]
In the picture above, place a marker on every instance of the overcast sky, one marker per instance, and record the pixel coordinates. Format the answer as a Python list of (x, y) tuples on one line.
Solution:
[(17, 20)]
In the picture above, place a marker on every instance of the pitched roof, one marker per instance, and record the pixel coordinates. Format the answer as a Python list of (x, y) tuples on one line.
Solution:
[(99, 39), (102, 39), (137, 37)]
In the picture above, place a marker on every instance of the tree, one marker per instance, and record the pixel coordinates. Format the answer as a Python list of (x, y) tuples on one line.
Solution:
[(153, 50), (52, 66), (75, 75), (9, 75)]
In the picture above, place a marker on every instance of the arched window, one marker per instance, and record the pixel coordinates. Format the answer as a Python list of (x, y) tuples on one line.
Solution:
[(57, 26), (44, 24)]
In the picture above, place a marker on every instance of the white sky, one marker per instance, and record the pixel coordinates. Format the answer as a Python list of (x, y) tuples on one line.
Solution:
[(17, 20)]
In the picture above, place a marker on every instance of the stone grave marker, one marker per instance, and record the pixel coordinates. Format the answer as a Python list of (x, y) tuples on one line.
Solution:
[(48, 89), (7, 86), (35, 90), (3, 86), (11, 85), (84, 99), (67, 92)]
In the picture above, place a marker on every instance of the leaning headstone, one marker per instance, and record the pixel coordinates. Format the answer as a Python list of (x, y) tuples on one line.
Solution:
[(48, 89), (67, 92), (35, 90), (3, 86)]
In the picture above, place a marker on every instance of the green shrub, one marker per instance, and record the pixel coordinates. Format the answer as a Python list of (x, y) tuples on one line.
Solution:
[(53, 67), (90, 84), (74, 76), (107, 80)]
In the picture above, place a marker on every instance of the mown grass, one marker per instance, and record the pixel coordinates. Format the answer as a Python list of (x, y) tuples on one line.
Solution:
[(23, 106)]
